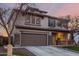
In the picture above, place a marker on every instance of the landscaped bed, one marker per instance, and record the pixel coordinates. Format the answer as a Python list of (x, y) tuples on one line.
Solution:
[(18, 52), (22, 52), (73, 48)]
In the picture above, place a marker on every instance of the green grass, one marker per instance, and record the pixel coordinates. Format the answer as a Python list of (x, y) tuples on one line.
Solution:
[(15, 53), (74, 48), (3, 54), (18, 53)]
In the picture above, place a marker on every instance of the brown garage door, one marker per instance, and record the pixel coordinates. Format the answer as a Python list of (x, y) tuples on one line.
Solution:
[(30, 39)]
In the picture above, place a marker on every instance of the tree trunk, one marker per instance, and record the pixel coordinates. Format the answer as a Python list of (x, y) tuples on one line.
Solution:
[(9, 47)]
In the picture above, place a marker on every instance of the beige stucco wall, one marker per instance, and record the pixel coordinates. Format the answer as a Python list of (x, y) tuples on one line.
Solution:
[(44, 22), (21, 21)]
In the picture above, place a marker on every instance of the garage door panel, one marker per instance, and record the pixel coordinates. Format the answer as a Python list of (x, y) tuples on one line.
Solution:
[(28, 39)]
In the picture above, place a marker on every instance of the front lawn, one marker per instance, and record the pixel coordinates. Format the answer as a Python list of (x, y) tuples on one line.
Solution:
[(74, 48), (22, 52), (18, 52)]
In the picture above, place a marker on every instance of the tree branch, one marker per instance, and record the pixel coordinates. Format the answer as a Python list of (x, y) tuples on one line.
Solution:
[(4, 25), (10, 17), (16, 18)]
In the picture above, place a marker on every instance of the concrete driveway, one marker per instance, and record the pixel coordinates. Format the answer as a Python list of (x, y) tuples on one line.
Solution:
[(50, 51)]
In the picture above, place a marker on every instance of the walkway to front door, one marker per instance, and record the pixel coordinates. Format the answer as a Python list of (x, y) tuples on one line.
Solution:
[(50, 51)]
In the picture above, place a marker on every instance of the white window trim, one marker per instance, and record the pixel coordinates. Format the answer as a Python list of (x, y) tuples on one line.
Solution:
[(30, 23)]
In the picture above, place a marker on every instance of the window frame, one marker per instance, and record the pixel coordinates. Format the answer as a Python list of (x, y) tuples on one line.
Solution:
[(51, 22), (26, 18), (33, 20), (38, 20)]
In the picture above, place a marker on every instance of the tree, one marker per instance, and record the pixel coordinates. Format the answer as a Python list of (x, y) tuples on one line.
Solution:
[(4, 23), (74, 21), (74, 25)]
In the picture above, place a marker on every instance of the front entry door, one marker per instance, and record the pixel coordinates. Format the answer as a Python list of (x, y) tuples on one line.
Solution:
[(54, 39)]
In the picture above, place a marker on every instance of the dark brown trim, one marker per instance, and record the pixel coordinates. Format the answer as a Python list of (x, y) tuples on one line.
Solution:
[(43, 29), (77, 30), (36, 9), (39, 14)]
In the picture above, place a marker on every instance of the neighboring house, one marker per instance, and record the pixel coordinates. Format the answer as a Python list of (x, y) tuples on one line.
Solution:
[(34, 28)]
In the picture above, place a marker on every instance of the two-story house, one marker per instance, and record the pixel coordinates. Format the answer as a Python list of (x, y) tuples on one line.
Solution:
[(34, 28)]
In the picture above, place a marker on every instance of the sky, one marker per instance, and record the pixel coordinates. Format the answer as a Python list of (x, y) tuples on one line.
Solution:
[(53, 9), (61, 9)]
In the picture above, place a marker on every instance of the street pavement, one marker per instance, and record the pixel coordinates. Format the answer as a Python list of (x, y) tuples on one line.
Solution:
[(50, 51)]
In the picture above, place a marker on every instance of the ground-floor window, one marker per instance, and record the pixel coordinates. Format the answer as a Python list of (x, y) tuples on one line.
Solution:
[(16, 38)]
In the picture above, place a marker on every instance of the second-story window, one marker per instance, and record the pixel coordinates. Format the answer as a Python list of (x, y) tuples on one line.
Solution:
[(51, 22), (27, 20), (33, 19), (38, 20), (59, 24)]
